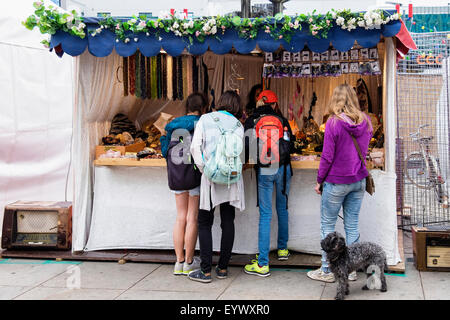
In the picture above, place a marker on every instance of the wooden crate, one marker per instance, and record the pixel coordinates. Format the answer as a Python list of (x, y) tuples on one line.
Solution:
[(135, 147), (429, 253)]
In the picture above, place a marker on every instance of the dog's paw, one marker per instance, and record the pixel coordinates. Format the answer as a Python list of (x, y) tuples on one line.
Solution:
[(347, 292), (339, 297), (365, 287), (383, 289)]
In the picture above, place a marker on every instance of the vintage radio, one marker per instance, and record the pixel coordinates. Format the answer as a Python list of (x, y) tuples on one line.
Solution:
[(431, 249), (37, 224)]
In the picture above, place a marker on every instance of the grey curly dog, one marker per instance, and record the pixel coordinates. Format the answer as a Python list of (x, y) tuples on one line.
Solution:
[(344, 260)]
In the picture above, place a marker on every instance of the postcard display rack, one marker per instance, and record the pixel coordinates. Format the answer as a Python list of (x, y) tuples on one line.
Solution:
[(363, 61)]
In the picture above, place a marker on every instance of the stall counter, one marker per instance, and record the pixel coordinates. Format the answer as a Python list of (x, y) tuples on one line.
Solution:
[(133, 208)]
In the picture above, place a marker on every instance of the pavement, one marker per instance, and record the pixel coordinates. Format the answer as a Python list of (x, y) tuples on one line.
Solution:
[(25, 279)]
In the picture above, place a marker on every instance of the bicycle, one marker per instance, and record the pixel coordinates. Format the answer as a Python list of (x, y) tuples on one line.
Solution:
[(422, 168)]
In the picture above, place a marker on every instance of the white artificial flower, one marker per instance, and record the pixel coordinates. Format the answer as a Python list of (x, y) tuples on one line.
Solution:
[(395, 16), (132, 21), (340, 21), (214, 30), (387, 20), (98, 30), (333, 14), (212, 21), (136, 39), (185, 25), (206, 28), (175, 25), (361, 23), (127, 40), (352, 21), (191, 23)]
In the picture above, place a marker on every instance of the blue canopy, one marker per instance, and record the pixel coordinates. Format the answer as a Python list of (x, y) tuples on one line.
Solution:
[(102, 44)]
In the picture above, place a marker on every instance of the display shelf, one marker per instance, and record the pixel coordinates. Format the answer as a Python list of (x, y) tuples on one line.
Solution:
[(131, 162), (162, 163)]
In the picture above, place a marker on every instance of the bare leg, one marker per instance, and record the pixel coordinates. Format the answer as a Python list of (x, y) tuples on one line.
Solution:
[(190, 238), (182, 201)]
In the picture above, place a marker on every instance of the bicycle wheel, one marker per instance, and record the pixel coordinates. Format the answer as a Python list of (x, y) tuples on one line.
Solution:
[(417, 172)]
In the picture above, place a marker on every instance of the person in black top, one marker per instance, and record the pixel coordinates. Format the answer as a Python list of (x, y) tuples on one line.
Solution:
[(273, 167)]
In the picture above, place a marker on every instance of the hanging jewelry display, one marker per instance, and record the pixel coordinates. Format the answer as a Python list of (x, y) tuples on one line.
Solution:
[(194, 74), (169, 77), (138, 75), (174, 78), (164, 76), (148, 77), (125, 75), (180, 78), (184, 74), (154, 78), (143, 77), (132, 74), (158, 76)]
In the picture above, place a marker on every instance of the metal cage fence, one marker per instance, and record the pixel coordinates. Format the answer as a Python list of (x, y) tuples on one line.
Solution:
[(423, 118)]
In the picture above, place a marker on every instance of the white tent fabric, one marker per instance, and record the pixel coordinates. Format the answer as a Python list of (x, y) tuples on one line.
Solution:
[(36, 113)]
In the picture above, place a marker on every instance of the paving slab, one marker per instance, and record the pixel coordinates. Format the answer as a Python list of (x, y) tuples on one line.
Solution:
[(436, 285), (400, 287), (133, 294), (163, 279), (103, 275), (28, 273), (10, 292), (282, 284), (44, 293)]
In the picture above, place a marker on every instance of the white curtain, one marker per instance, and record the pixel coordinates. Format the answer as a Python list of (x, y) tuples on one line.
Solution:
[(99, 98)]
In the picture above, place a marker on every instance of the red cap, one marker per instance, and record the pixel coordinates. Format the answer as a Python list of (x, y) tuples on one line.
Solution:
[(270, 96)]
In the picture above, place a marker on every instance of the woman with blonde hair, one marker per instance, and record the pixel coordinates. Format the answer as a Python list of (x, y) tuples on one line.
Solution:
[(341, 178)]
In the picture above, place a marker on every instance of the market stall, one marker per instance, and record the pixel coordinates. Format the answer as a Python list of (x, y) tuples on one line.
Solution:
[(121, 197)]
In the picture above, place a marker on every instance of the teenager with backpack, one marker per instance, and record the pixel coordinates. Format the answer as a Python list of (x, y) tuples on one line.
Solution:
[(272, 136), (184, 182), (216, 148)]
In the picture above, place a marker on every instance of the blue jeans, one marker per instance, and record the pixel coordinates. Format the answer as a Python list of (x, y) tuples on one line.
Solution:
[(266, 182), (335, 196)]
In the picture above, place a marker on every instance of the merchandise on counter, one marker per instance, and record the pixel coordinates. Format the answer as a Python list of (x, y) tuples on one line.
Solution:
[(110, 154), (121, 123), (377, 157)]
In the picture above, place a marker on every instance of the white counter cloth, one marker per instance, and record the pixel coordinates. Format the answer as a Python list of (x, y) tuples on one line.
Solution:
[(133, 208)]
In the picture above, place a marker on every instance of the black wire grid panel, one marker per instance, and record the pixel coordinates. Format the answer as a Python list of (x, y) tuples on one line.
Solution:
[(423, 118)]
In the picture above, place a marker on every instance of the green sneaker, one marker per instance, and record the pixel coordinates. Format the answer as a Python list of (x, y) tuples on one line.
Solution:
[(256, 270), (283, 254)]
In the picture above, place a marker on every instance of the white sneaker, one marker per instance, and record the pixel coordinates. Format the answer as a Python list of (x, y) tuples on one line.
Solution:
[(195, 265), (178, 269), (320, 275), (353, 276)]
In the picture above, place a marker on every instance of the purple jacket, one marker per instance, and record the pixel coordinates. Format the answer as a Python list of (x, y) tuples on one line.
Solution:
[(340, 162)]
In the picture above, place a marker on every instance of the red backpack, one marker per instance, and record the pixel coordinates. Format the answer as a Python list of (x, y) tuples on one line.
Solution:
[(272, 147)]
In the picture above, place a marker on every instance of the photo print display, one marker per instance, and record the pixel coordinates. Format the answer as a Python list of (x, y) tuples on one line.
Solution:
[(269, 57), (344, 67), (286, 56), (344, 55), (354, 55), (296, 57), (305, 56), (334, 55), (315, 56), (364, 53), (373, 53), (354, 67), (306, 69), (325, 56)]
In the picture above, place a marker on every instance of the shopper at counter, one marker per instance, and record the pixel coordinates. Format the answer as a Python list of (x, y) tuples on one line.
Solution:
[(277, 172), (184, 181), (341, 172), (228, 197)]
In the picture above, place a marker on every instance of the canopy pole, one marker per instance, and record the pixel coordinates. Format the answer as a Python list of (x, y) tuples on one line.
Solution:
[(246, 10), (278, 6)]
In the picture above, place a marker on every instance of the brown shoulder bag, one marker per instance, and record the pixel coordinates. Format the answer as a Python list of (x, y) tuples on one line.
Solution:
[(370, 185)]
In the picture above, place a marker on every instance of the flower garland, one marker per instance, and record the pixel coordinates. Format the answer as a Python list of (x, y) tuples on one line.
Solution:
[(50, 20)]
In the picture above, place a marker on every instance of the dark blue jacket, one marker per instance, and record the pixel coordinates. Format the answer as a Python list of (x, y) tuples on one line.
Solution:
[(184, 122)]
